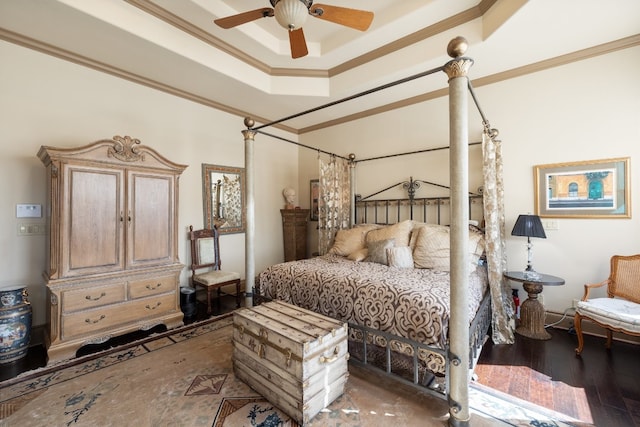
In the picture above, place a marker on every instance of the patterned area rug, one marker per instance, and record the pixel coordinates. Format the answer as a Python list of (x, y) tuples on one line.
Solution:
[(185, 378)]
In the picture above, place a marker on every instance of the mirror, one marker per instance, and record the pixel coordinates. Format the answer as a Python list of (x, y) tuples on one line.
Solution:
[(224, 193)]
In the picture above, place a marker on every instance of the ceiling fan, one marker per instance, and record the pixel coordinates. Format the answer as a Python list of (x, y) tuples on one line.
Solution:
[(292, 14)]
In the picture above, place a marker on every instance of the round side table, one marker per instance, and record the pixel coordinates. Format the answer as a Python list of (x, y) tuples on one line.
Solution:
[(532, 311)]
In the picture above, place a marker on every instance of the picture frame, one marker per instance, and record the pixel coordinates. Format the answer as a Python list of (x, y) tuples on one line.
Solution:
[(584, 189), (314, 195)]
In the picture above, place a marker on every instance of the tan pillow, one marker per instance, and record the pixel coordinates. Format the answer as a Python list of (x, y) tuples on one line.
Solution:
[(350, 240), (415, 230), (400, 257), (399, 232), (476, 244), (432, 248), (358, 255)]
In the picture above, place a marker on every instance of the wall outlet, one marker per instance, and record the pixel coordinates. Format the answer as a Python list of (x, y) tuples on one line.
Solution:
[(575, 303)]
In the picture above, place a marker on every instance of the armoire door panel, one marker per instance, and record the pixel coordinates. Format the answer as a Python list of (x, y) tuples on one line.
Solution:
[(150, 234), (92, 227)]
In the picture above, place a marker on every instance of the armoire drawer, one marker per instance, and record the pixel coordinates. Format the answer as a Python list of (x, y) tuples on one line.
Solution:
[(96, 296), (111, 316), (153, 286)]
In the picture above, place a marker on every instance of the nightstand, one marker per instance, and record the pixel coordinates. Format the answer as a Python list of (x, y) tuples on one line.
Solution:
[(532, 310)]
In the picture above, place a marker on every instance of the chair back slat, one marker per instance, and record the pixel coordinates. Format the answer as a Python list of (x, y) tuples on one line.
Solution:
[(205, 248), (625, 277)]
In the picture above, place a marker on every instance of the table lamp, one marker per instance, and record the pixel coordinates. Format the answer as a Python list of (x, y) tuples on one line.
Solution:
[(530, 226)]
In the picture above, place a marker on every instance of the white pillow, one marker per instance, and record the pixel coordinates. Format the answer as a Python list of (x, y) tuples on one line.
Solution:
[(400, 257)]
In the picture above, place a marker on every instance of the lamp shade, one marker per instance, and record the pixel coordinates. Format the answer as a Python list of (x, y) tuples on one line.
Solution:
[(530, 226), (291, 14)]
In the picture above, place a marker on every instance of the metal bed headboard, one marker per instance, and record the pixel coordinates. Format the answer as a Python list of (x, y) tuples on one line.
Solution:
[(434, 210)]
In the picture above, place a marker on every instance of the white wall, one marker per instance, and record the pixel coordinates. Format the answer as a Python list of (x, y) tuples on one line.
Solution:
[(47, 101), (586, 110)]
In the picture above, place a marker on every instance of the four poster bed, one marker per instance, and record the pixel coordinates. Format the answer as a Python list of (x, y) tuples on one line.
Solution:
[(419, 296), (397, 303)]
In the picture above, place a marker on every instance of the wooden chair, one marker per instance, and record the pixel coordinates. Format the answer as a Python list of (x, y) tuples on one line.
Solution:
[(620, 311), (205, 255)]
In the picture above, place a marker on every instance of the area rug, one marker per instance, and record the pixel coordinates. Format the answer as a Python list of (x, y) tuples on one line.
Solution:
[(185, 378)]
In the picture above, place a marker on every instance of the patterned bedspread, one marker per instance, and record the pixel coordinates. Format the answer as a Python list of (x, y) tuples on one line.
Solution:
[(411, 302)]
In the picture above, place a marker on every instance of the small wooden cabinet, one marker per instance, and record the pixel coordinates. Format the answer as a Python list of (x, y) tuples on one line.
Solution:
[(294, 232), (112, 248)]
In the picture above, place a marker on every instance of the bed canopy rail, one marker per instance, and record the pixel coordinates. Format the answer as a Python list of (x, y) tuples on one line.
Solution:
[(456, 70)]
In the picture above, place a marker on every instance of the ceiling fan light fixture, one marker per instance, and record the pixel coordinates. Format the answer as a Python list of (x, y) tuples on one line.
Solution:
[(291, 14)]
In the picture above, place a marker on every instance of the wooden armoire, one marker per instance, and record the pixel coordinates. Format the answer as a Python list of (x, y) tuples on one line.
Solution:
[(294, 233), (112, 246)]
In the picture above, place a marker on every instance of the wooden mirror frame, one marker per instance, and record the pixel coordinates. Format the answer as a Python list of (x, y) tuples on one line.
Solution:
[(211, 175)]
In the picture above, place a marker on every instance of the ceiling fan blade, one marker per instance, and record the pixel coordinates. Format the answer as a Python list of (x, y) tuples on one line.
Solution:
[(243, 18), (353, 18), (298, 43)]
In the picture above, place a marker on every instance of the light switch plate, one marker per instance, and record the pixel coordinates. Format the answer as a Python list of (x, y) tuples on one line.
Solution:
[(28, 211)]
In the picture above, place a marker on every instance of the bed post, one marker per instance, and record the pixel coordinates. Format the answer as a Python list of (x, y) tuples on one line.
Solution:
[(352, 189), (458, 390), (249, 235)]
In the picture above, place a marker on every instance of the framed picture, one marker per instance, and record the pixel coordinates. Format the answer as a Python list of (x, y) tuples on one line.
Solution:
[(314, 194), (587, 189)]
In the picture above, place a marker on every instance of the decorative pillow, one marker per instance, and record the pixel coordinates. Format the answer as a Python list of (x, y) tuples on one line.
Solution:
[(476, 244), (399, 232), (358, 255), (349, 240), (378, 251), (432, 247), (415, 230), (400, 257)]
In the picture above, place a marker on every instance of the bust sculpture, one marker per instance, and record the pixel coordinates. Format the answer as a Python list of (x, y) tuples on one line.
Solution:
[(289, 197)]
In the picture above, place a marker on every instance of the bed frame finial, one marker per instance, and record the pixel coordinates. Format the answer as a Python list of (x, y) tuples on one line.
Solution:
[(457, 47)]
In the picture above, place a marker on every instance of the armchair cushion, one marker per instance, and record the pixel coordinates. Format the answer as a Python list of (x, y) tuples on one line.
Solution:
[(616, 312), (619, 312), (215, 277)]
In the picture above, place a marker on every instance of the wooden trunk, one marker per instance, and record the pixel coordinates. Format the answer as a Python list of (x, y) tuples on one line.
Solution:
[(295, 358)]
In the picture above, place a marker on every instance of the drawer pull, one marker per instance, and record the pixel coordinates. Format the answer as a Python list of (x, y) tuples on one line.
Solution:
[(331, 358), (95, 321), (152, 288), (148, 307), (90, 298)]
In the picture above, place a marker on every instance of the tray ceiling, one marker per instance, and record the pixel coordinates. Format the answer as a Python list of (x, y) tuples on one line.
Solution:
[(247, 70)]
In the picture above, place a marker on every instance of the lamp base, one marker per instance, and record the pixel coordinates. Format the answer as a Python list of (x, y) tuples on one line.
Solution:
[(531, 274)]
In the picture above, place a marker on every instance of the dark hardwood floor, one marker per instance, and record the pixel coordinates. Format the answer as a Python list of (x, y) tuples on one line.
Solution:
[(601, 387)]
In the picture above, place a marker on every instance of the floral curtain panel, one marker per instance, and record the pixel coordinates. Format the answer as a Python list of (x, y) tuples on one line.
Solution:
[(334, 202), (503, 313)]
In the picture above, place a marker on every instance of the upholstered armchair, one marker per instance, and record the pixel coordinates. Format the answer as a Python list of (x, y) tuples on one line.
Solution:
[(620, 310)]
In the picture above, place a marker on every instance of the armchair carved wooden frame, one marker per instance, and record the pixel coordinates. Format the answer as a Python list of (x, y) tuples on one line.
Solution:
[(620, 310)]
